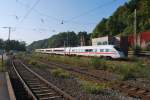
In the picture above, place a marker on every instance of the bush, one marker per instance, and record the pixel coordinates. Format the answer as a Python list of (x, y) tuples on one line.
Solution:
[(33, 62), (128, 76), (93, 88), (98, 63), (60, 73)]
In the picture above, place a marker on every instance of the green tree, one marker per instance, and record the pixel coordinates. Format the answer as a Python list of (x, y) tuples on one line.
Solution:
[(122, 20)]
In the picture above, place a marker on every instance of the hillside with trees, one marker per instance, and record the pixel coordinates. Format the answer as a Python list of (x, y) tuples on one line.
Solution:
[(62, 39), (122, 20)]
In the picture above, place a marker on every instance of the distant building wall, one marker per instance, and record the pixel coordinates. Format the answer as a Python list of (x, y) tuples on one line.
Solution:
[(100, 41), (107, 40), (143, 39)]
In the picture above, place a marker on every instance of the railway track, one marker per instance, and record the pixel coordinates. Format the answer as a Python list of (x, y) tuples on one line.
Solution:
[(38, 87), (130, 90), (74, 70)]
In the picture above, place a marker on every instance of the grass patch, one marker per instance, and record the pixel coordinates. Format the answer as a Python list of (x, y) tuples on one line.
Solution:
[(60, 73), (133, 68), (2, 68), (130, 70), (93, 88), (21, 55), (36, 64), (98, 63), (32, 62)]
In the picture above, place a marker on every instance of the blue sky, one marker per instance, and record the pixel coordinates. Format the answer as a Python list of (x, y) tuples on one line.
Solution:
[(45, 18)]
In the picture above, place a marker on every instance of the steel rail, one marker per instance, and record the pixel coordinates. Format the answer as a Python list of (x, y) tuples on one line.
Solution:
[(23, 82), (64, 94)]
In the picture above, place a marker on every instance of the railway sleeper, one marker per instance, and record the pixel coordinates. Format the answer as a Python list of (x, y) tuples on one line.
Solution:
[(48, 98), (141, 92), (134, 89), (147, 93), (38, 88), (32, 81), (29, 77), (45, 94), (43, 91), (125, 86), (146, 97), (36, 85)]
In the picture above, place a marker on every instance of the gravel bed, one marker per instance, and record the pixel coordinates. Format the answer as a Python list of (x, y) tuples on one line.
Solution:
[(99, 73), (142, 83), (72, 86)]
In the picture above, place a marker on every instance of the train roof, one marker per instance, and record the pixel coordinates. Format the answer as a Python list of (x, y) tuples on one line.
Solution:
[(81, 46)]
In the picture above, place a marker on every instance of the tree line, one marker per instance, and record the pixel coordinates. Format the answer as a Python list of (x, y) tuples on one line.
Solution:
[(12, 45), (62, 39)]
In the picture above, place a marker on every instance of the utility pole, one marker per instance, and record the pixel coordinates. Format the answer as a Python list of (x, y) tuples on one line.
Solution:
[(64, 43), (135, 25), (2, 62), (9, 30), (68, 39)]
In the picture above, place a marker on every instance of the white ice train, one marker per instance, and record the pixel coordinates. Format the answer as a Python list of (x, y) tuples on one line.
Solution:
[(106, 51)]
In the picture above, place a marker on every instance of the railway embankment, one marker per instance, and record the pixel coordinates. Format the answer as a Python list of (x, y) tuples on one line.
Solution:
[(134, 82)]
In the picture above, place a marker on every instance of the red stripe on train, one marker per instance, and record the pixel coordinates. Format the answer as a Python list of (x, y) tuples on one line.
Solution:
[(92, 52)]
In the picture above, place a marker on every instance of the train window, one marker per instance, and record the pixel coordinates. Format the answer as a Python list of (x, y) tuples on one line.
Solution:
[(88, 50), (99, 43), (58, 50), (105, 43), (107, 50), (95, 50), (101, 50), (110, 50), (48, 50)]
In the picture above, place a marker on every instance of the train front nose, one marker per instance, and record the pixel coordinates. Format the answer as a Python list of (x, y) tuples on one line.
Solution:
[(121, 54)]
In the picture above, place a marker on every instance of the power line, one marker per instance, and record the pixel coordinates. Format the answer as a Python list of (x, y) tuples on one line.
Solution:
[(91, 10), (38, 12), (29, 11), (75, 17)]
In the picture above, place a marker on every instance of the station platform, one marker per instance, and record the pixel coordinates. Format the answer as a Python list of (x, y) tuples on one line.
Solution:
[(4, 95), (6, 91)]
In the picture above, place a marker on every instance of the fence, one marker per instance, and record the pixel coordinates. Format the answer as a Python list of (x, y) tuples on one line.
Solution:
[(140, 53)]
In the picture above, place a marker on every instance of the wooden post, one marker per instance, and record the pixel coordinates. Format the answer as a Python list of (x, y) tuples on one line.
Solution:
[(2, 62)]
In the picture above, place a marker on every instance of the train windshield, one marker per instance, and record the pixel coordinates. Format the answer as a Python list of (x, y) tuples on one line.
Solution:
[(118, 48)]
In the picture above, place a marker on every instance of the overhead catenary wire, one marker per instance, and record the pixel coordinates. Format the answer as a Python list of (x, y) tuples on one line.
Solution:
[(91, 10), (38, 12), (29, 11), (73, 18)]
